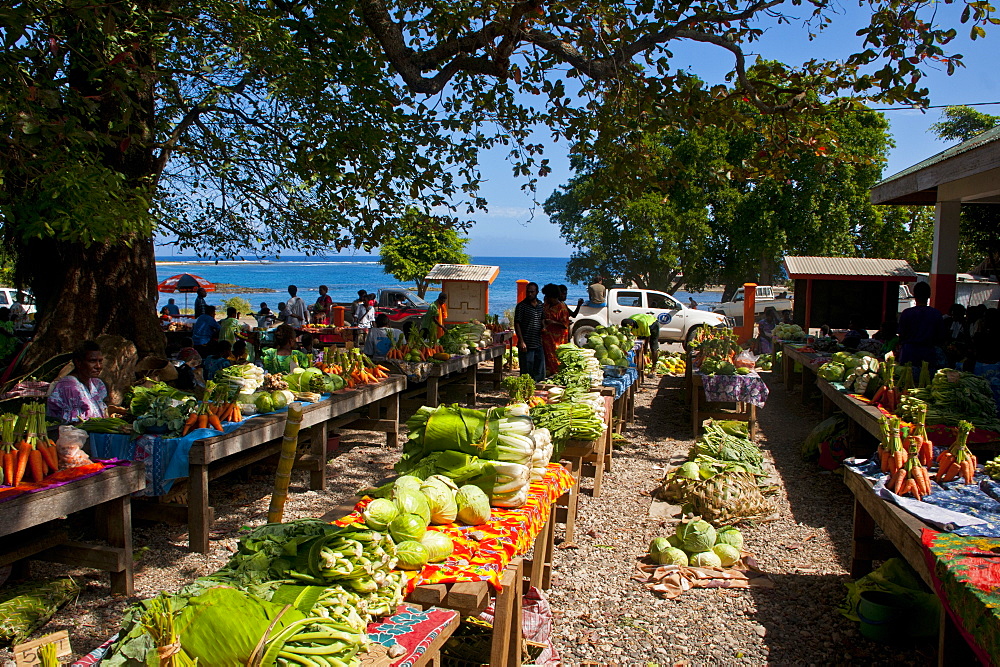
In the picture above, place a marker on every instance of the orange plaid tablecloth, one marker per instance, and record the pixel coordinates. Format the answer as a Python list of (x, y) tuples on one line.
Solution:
[(508, 534)]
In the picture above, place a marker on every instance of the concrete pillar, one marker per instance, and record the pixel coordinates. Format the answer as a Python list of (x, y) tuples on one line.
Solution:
[(944, 261)]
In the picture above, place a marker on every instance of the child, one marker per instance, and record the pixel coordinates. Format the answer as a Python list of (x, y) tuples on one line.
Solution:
[(306, 345), (239, 354), (217, 359)]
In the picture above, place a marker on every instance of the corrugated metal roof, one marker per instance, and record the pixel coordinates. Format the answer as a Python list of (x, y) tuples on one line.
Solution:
[(987, 137), (472, 272), (862, 267)]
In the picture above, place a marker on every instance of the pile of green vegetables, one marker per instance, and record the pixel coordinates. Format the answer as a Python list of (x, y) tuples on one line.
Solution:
[(953, 396), (165, 416), (519, 387), (697, 543), (578, 367), (570, 419), (140, 399)]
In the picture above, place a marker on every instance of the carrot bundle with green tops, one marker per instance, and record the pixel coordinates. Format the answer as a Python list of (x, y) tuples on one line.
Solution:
[(957, 459)]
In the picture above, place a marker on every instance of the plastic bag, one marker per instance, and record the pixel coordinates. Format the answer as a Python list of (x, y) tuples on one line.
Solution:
[(69, 446), (745, 359), (826, 430), (896, 577)]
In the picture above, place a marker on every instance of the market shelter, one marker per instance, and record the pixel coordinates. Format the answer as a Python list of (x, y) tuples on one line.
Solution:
[(468, 289), (968, 173), (839, 289)]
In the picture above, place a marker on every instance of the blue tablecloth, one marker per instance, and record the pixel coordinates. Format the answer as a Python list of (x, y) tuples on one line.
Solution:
[(621, 384)]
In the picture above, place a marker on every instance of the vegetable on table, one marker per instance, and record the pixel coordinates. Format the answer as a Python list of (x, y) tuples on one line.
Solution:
[(957, 459)]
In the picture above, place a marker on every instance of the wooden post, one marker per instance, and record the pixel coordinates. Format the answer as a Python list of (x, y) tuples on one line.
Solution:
[(284, 473), (749, 318)]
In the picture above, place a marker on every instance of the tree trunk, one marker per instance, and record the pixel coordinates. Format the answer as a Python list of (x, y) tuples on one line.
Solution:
[(422, 286), (83, 292)]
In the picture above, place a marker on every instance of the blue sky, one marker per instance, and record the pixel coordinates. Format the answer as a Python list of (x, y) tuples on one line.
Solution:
[(515, 225)]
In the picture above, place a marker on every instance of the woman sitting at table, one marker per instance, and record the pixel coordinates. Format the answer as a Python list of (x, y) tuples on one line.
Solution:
[(81, 394), (280, 358)]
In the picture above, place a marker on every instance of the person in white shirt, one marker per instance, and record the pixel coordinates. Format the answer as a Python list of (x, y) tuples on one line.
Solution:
[(381, 337), (296, 311), (368, 318)]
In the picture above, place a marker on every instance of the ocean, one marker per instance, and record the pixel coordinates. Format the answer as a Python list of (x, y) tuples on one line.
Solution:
[(345, 275)]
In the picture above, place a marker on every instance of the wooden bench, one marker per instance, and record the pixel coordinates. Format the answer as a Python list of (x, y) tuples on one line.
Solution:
[(37, 520)]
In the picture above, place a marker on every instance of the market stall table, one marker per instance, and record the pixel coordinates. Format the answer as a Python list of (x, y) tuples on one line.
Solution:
[(747, 392), (373, 407), (808, 363), (109, 491), (903, 533), (459, 372)]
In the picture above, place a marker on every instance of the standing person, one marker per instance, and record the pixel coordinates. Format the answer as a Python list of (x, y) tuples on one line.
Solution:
[(205, 328), (433, 320), (692, 304), (555, 326), (648, 328), (765, 328), (172, 309), (296, 311), (367, 309), (229, 328), (323, 308), (528, 319), (563, 295), (18, 311), (81, 394), (597, 293), (359, 306), (281, 357), (200, 303), (265, 317), (920, 330)]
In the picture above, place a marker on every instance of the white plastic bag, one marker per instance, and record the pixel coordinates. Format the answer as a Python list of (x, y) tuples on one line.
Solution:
[(746, 359), (69, 446)]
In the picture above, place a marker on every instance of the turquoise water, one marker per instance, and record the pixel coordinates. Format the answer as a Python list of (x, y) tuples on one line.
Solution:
[(344, 276)]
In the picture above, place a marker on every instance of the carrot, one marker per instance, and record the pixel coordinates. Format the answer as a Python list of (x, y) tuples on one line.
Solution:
[(884, 456), (23, 450), (50, 456), (202, 421), (9, 466), (878, 395), (214, 422), (37, 465), (968, 472), (237, 413), (896, 480)]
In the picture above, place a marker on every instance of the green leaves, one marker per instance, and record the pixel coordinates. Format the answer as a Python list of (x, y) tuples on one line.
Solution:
[(417, 242)]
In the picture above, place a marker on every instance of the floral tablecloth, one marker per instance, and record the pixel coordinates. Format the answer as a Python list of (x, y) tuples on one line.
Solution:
[(509, 534), (735, 389), (966, 576), (412, 628)]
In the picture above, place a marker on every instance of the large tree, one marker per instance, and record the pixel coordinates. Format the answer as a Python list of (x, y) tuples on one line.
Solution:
[(418, 243), (262, 125)]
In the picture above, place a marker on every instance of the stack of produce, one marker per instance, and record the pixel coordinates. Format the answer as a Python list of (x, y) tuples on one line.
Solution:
[(139, 399), (578, 367), (611, 345), (28, 452), (843, 366), (415, 348), (716, 349), (765, 362), (951, 397), (671, 363), (499, 446), (697, 543), (722, 481), (578, 415), (865, 377), (521, 388), (240, 378), (791, 332)]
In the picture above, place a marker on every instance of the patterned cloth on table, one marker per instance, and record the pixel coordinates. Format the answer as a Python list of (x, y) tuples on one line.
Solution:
[(509, 534), (966, 576), (735, 389), (621, 384), (413, 629), (976, 512)]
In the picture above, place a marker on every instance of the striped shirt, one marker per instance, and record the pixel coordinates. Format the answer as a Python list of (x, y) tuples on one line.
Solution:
[(529, 317)]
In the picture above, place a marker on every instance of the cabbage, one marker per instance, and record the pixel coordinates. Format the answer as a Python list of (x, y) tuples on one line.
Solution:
[(407, 482), (689, 470), (439, 546), (440, 494), (673, 556), (380, 513), (696, 536), (407, 527), (473, 505), (264, 403), (409, 501), (411, 555), (728, 554), (674, 541), (279, 400), (705, 559), (731, 536)]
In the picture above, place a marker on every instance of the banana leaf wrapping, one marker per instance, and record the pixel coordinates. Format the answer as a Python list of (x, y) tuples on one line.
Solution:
[(727, 498), (26, 607)]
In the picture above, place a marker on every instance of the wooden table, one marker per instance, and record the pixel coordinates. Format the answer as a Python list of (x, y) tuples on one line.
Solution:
[(373, 407), (745, 412), (902, 531), (806, 377), (35, 518), (460, 372)]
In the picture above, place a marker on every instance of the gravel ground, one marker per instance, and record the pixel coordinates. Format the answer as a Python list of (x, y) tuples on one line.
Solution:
[(602, 616)]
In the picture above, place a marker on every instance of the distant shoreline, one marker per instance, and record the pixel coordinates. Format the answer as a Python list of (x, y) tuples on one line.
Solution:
[(229, 288)]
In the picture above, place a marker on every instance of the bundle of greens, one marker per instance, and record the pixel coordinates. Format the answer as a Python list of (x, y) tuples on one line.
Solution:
[(139, 399), (519, 387), (578, 367), (568, 421), (953, 396), (729, 442), (165, 416), (105, 425)]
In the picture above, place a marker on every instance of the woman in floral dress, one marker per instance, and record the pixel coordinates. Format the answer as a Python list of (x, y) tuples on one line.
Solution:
[(81, 395), (555, 326)]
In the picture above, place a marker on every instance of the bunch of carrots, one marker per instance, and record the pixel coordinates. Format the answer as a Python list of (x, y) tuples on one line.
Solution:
[(33, 452), (957, 459), (217, 408), (917, 439), (912, 478), (888, 394), (892, 454), (364, 371)]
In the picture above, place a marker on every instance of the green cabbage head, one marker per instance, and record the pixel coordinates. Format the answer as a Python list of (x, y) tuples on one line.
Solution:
[(439, 546), (409, 501), (729, 535), (696, 536), (473, 505), (728, 554), (379, 513), (405, 528), (705, 559), (440, 494), (407, 482), (411, 555)]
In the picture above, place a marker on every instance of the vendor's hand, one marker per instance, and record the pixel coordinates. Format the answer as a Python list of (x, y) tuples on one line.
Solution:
[(580, 302), (523, 347), (116, 411)]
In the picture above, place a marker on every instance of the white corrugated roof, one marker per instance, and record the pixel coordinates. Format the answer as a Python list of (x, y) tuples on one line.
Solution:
[(862, 267), (471, 272)]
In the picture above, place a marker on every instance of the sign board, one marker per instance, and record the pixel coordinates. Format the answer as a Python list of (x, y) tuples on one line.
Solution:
[(664, 318), (27, 654)]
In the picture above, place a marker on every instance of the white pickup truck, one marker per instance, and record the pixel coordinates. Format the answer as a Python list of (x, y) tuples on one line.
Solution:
[(677, 321), (765, 298)]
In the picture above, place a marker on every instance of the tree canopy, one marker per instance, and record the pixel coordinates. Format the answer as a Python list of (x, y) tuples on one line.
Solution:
[(419, 242), (265, 125), (960, 123)]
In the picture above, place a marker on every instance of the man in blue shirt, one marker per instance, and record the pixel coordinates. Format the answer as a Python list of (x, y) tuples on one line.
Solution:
[(205, 327), (172, 309)]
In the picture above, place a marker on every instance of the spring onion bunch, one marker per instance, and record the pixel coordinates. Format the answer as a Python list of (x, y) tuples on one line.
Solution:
[(568, 421)]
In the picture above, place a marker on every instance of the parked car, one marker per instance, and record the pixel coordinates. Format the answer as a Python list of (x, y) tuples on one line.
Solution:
[(765, 298), (398, 303), (9, 296), (677, 321)]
